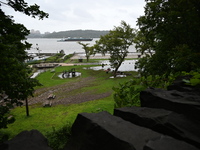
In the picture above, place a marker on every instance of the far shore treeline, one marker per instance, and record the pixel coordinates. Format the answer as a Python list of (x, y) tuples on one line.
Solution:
[(70, 33)]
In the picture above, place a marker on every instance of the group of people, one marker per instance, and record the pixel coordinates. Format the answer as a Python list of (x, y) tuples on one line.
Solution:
[(107, 70)]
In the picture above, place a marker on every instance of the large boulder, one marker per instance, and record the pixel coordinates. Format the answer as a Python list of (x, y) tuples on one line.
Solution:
[(27, 140), (103, 131), (163, 121), (180, 102)]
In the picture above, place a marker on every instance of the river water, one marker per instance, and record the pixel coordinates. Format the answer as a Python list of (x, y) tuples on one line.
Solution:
[(47, 45)]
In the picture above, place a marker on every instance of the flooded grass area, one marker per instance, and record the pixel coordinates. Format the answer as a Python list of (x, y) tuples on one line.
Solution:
[(127, 65), (69, 75)]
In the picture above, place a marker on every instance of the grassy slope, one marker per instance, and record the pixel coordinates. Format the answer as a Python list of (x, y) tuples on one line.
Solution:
[(44, 119)]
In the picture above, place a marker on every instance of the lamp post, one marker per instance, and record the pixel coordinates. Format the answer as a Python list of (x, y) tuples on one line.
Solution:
[(37, 48)]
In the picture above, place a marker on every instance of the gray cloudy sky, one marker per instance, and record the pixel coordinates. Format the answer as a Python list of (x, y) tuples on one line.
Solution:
[(81, 14)]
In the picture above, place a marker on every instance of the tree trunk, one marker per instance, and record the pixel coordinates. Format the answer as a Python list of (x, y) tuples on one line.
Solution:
[(27, 110), (87, 58), (116, 69)]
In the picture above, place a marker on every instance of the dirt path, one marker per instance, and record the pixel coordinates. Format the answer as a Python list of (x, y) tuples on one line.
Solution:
[(69, 93)]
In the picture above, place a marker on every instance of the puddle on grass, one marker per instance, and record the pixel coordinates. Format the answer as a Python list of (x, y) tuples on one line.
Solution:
[(118, 76), (127, 65), (35, 74), (69, 75)]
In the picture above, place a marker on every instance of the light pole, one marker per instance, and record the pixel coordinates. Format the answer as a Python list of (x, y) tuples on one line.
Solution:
[(37, 48)]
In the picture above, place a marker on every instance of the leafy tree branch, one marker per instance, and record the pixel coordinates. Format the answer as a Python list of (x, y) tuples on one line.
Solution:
[(116, 43), (15, 82)]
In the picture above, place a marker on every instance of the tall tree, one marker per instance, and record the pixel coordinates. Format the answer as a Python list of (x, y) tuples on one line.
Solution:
[(169, 28), (116, 43), (88, 50), (15, 82)]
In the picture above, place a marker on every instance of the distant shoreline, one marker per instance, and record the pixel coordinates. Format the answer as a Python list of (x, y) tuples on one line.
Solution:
[(70, 33)]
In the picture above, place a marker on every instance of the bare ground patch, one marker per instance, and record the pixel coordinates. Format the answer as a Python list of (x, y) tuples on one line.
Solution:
[(69, 93)]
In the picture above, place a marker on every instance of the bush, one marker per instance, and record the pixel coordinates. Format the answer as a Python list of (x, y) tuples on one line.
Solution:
[(57, 139), (128, 94), (55, 59), (4, 136), (194, 80), (68, 57)]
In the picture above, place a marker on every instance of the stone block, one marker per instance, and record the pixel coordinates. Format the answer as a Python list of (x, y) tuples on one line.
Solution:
[(103, 131), (168, 143), (163, 121), (27, 140), (180, 102)]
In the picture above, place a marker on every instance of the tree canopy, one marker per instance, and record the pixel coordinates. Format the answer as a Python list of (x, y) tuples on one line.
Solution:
[(15, 82), (88, 50), (116, 43), (170, 31)]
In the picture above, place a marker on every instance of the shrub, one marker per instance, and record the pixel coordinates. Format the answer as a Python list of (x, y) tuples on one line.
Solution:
[(4, 136), (57, 139), (128, 94), (194, 80), (68, 57)]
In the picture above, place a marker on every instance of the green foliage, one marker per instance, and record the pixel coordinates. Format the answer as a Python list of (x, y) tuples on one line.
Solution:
[(4, 136), (15, 82), (158, 81), (169, 37), (88, 50), (5, 117), (68, 57), (128, 94), (194, 80), (57, 139), (55, 59), (22, 6), (116, 43)]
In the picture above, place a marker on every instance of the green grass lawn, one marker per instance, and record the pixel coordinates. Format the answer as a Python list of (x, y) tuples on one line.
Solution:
[(45, 119)]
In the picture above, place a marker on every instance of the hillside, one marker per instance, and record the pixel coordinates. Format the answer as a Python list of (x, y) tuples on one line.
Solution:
[(70, 33)]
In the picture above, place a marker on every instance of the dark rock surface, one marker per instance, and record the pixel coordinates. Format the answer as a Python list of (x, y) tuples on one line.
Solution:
[(163, 121), (179, 102), (103, 131), (168, 143), (27, 140)]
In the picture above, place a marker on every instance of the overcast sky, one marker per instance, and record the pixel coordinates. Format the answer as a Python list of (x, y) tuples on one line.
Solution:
[(81, 14)]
